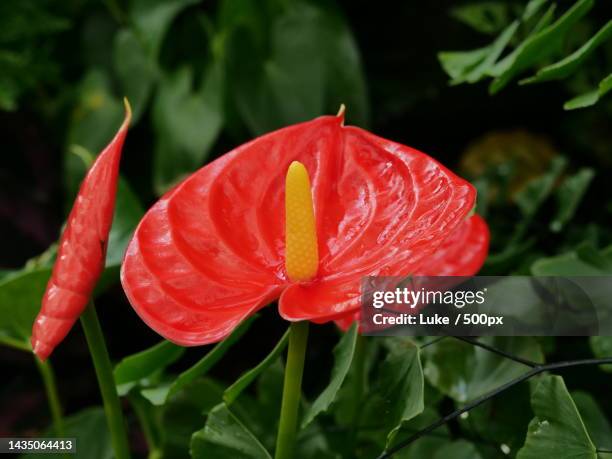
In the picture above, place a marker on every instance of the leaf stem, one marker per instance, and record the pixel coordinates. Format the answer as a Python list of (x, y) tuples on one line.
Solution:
[(48, 377), (292, 390), (494, 350), (480, 400), (106, 381)]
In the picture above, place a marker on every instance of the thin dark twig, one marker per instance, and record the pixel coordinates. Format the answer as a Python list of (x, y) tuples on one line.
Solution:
[(480, 400), (433, 341), (516, 358)]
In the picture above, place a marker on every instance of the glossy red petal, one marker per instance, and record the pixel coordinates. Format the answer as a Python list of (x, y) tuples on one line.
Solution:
[(82, 249), (211, 251), (461, 254), (405, 205)]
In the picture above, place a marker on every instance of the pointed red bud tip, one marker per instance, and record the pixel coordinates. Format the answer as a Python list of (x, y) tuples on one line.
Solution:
[(340, 114), (82, 248)]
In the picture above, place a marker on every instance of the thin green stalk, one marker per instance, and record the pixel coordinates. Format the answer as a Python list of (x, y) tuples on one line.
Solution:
[(48, 377), (147, 419), (359, 360), (106, 381), (292, 390)]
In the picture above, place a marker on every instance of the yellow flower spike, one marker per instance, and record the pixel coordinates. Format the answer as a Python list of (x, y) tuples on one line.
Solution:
[(301, 250)]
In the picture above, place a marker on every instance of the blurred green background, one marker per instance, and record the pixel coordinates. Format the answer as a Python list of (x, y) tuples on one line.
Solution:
[(446, 77)]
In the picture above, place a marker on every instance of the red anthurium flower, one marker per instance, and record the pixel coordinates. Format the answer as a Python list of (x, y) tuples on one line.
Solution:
[(217, 247), (461, 254), (82, 249)]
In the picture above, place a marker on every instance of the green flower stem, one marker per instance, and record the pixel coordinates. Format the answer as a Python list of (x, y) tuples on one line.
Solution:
[(106, 381), (147, 419), (292, 390), (48, 377), (359, 360)]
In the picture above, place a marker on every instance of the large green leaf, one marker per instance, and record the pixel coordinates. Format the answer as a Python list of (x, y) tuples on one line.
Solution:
[(187, 122), (343, 356), (136, 367), (464, 371), (311, 66), (595, 421), (570, 64), (591, 97), (185, 414), (160, 394), (225, 436), (581, 262), (398, 388), (557, 430), (538, 46), (233, 391), (90, 430)]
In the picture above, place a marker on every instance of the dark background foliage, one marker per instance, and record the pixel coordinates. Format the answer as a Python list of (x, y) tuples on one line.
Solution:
[(204, 77)]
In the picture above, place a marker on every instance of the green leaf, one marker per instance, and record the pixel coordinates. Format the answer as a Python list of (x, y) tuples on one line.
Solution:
[(569, 195), (225, 436), (594, 419), (187, 122), (90, 430), (472, 66), (185, 414), (128, 212), (570, 64), (575, 263), (232, 392), (311, 65), (502, 420), (152, 19), (557, 430), (459, 449), (532, 196), (486, 17), (464, 372), (425, 446), (592, 97), (159, 395), (20, 296), (343, 356), (538, 46), (135, 367), (602, 348), (135, 69), (398, 388)]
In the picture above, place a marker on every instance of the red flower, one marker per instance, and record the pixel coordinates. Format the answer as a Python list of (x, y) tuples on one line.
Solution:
[(212, 251), (461, 254), (82, 249)]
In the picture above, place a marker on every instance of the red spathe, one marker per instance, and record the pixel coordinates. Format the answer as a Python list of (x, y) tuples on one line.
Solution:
[(211, 251), (82, 249)]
